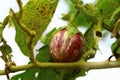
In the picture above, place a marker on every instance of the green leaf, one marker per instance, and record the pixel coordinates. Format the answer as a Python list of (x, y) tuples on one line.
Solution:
[(114, 45), (5, 22), (8, 49), (28, 74), (37, 15), (48, 36), (115, 15), (73, 74), (44, 54), (21, 38), (51, 74), (48, 74), (90, 42), (116, 49), (60, 74), (81, 20), (106, 7), (70, 15), (2, 25), (107, 22), (89, 37)]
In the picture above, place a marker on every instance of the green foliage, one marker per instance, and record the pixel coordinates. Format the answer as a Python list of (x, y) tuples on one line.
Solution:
[(46, 74), (37, 15), (2, 26), (51, 74), (81, 20), (90, 38), (28, 74), (47, 38), (8, 49), (21, 38), (85, 13), (90, 41), (44, 54), (106, 7), (115, 48), (116, 15)]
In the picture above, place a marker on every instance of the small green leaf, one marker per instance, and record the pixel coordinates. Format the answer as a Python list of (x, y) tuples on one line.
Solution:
[(90, 42), (81, 20), (66, 16), (2, 25), (81, 73), (107, 21), (44, 54), (8, 49), (106, 7), (114, 45), (5, 22), (116, 49), (89, 37), (115, 15), (21, 38), (46, 39)]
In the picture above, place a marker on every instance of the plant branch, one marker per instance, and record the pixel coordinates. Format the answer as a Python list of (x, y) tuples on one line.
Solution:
[(81, 8), (115, 29), (80, 64), (17, 68), (30, 33), (30, 47)]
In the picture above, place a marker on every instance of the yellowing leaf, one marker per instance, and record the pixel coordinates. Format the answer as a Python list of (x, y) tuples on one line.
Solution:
[(37, 14)]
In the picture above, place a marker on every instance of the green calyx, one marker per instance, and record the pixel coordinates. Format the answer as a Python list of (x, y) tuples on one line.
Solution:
[(72, 30)]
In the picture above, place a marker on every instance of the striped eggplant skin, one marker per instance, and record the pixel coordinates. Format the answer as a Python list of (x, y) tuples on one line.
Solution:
[(66, 49)]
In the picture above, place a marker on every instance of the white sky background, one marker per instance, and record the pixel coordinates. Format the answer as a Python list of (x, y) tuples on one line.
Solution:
[(103, 54)]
